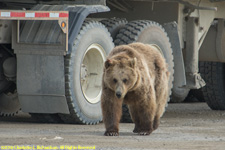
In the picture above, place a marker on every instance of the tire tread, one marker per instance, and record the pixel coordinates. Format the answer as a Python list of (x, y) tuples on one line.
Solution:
[(214, 91), (75, 115)]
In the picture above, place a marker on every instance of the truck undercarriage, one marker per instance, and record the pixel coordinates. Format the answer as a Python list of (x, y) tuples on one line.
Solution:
[(51, 67)]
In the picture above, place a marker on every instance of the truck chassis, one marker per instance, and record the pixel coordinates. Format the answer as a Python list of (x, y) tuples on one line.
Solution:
[(52, 53)]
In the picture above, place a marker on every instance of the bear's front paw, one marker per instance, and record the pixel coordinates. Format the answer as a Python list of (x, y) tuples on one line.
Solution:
[(144, 133), (111, 133), (136, 130)]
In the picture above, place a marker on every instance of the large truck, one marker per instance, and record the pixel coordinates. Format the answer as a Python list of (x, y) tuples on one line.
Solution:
[(52, 52)]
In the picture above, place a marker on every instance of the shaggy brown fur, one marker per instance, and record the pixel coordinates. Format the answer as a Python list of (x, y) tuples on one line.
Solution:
[(137, 75)]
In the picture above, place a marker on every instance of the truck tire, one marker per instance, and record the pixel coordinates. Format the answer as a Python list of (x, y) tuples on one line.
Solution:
[(114, 25), (83, 73), (147, 32), (214, 92), (9, 104)]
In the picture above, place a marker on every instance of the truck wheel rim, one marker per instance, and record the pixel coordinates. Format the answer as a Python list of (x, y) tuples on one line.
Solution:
[(91, 73), (157, 48)]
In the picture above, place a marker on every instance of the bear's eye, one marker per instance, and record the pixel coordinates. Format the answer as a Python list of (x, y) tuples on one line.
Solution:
[(114, 80), (124, 80)]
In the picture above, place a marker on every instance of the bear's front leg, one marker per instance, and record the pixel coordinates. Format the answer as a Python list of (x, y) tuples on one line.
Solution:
[(111, 111), (133, 109), (111, 117), (146, 126), (146, 116)]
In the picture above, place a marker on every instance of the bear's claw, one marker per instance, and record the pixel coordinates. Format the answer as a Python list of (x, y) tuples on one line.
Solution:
[(111, 133), (144, 133)]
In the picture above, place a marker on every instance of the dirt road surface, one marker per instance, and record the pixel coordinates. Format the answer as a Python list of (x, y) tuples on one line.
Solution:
[(184, 126)]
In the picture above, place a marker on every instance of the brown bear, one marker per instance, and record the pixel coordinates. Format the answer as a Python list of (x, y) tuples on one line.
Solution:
[(137, 75)]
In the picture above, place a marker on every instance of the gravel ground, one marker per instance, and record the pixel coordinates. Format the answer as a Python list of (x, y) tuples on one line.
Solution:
[(183, 126)]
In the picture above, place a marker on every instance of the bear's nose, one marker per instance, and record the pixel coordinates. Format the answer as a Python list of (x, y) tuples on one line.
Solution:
[(118, 94)]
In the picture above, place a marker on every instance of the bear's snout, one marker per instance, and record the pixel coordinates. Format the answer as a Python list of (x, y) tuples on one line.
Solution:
[(118, 94)]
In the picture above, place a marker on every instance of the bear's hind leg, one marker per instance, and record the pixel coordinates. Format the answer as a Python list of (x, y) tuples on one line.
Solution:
[(162, 101), (159, 113), (156, 122)]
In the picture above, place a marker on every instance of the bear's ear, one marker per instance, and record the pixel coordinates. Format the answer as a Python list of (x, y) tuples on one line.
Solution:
[(108, 63), (133, 62)]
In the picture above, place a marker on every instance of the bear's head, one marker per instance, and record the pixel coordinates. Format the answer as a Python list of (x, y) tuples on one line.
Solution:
[(120, 75)]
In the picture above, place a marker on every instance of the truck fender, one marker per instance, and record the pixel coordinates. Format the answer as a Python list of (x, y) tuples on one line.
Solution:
[(77, 15)]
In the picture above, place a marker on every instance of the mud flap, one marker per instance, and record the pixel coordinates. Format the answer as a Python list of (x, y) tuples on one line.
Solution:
[(41, 84)]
